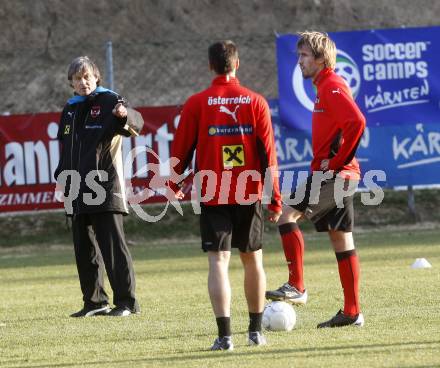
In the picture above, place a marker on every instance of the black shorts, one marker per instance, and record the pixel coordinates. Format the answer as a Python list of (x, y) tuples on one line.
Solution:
[(329, 205), (223, 227)]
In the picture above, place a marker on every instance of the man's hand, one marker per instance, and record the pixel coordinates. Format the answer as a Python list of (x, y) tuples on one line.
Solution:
[(173, 194), (179, 194), (274, 216), (120, 111), (325, 164)]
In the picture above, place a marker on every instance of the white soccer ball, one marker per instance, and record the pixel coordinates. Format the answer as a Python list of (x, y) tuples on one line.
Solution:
[(279, 316)]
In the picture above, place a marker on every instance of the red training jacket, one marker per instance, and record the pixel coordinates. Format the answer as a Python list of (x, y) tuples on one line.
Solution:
[(230, 128), (337, 125)]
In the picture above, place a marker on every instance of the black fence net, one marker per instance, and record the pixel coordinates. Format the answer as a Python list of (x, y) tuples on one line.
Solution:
[(148, 74), (168, 73)]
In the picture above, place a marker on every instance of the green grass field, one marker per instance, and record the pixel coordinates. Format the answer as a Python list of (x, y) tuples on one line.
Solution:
[(39, 289)]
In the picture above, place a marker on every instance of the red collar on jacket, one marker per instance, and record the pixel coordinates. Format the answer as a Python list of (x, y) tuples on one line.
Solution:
[(322, 75), (224, 79)]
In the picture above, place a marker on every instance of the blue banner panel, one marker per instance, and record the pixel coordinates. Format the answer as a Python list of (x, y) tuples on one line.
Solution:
[(406, 154), (394, 75)]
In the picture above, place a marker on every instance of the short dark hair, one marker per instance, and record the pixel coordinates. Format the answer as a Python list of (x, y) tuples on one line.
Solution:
[(222, 56)]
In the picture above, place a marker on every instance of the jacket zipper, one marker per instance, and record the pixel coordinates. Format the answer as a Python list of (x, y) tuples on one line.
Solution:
[(79, 159), (72, 140)]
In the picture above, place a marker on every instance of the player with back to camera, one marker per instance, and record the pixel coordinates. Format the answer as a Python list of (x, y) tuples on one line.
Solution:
[(230, 128), (337, 127), (92, 125)]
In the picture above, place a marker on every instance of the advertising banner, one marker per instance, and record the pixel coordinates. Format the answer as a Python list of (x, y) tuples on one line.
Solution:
[(395, 155), (408, 154), (29, 155), (394, 75)]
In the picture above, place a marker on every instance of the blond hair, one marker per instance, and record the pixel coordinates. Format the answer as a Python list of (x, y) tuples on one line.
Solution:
[(321, 45)]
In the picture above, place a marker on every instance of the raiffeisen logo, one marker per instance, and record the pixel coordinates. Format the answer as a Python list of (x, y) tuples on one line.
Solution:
[(346, 67)]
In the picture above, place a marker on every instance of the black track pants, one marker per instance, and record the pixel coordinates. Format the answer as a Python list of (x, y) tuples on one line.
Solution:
[(99, 242)]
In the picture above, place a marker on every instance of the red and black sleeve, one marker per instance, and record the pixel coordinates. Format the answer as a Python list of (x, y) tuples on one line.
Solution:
[(185, 141), (351, 123), (267, 153)]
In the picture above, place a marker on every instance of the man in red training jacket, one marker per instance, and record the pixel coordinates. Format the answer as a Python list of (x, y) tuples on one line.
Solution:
[(229, 127), (327, 196)]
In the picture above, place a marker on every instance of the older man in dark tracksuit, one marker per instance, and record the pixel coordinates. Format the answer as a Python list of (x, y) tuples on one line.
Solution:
[(91, 129)]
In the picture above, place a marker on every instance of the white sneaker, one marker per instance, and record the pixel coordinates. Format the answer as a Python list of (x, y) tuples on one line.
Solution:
[(256, 339), (223, 343), (340, 320), (288, 293)]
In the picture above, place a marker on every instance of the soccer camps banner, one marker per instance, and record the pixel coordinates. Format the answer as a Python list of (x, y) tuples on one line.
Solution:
[(394, 75)]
